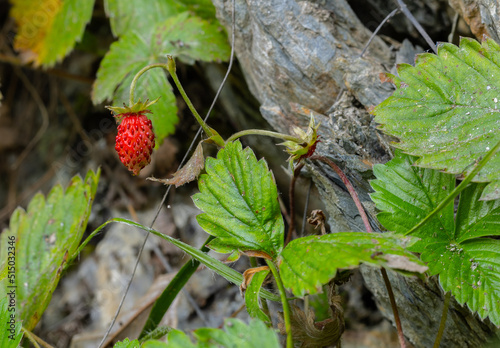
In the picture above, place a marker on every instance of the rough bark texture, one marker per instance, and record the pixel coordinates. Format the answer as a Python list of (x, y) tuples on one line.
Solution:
[(301, 55), (483, 16)]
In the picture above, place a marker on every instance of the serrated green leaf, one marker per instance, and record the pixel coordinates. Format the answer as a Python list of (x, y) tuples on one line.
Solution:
[(307, 263), (178, 339), (126, 343), (47, 235), (446, 109), (138, 15), (11, 334), (240, 200), (186, 37), (406, 194), (234, 334), (238, 334), (467, 263), (471, 271), (48, 30), (476, 218), (252, 296)]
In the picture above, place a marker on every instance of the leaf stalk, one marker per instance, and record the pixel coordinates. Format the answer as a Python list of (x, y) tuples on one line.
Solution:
[(266, 133), (284, 301), (442, 324), (457, 189)]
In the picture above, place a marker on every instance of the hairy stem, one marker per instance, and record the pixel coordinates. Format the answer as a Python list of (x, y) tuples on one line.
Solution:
[(264, 132), (442, 324), (139, 74), (172, 70), (284, 301)]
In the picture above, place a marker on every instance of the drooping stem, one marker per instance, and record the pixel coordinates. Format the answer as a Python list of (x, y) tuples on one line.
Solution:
[(266, 133), (172, 70), (399, 328), (139, 74), (442, 324), (284, 301), (349, 187)]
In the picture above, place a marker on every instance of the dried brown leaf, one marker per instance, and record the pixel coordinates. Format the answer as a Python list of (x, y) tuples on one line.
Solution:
[(189, 172)]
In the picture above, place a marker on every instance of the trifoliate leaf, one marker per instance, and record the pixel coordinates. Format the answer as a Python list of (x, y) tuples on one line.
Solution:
[(240, 200), (11, 334), (468, 264), (446, 109), (49, 29), (307, 263), (46, 235)]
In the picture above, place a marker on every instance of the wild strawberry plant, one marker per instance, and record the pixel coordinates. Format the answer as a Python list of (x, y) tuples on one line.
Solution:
[(444, 110)]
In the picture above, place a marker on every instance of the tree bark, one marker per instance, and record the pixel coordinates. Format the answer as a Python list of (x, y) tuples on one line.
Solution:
[(303, 57)]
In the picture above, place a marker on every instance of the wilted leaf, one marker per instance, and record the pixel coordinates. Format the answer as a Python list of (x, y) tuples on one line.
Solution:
[(49, 29), (457, 249), (240, 200), (446, 109), (46, 235), (189, 172), (307, 263)]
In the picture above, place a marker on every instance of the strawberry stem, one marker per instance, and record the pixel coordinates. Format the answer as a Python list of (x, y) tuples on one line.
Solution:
[(264, 132), (139, 74), (171, 69)]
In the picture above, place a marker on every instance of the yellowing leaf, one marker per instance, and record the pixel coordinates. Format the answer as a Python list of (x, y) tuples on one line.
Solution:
[(49, 29)]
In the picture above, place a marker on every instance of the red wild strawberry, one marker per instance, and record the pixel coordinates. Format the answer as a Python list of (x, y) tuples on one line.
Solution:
[(135, 139)]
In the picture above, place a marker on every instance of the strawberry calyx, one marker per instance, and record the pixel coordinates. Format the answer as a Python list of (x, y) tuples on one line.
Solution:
[(139, 108)]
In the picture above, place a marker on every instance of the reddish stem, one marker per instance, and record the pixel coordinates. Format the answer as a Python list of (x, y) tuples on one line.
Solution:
[(291, 195), (364, 217), (349, 186)]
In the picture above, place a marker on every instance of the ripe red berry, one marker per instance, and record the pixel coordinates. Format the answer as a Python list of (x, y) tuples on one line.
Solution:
[(135, 140)]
